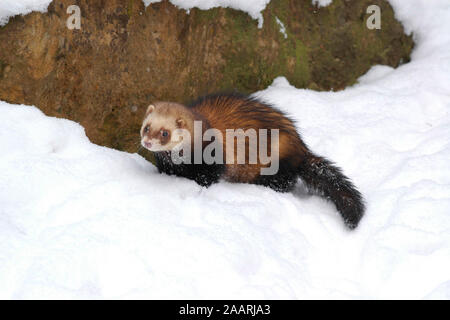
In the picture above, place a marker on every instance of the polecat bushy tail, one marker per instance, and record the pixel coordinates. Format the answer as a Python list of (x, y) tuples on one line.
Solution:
[(320, 175), (166, 123)]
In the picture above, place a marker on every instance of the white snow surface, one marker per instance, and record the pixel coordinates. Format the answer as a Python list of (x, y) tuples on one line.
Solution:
[(82, 221), (252, 7), (10, 8), (322, 3)]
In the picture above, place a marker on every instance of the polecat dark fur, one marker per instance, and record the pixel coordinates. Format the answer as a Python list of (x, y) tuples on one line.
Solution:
[(235, 111)]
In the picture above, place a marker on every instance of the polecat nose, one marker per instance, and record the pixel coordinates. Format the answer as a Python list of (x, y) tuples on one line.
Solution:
[(148, 145)]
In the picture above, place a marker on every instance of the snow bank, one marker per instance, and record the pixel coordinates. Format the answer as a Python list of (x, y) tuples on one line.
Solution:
[(10, 8), (83, 221), (252, 7)]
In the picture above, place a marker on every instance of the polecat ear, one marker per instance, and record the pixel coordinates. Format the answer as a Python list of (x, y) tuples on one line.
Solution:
[(180, 122), (150, 109)]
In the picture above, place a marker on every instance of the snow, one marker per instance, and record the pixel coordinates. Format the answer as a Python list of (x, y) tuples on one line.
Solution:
[(282, 27), (82, 221), (322, 3), (252, 7), (10, 8)]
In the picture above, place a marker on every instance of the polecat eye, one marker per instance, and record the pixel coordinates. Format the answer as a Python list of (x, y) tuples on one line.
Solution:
[(146, 129), (164, 133)]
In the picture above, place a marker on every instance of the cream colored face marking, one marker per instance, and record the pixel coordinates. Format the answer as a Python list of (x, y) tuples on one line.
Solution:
[(156, 122)]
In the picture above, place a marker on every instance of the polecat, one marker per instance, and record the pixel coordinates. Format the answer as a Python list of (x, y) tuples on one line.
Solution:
[(165, 122)]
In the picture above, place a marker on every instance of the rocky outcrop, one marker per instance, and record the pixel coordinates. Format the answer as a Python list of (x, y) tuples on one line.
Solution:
[(125, 55)]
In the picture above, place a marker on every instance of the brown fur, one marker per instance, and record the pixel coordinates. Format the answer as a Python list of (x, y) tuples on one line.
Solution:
[(233, 112)]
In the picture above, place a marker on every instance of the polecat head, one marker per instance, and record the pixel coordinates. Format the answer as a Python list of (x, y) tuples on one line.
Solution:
[(163, 125)]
